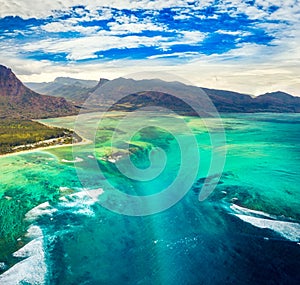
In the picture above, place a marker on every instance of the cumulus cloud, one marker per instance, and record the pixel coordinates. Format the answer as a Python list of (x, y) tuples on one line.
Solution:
[(248, 74), (183, 38), (259, 53), (87, 47), (65, 27), (279, 10), (175, 54), (45, 8), (126, 28), (234, 33)]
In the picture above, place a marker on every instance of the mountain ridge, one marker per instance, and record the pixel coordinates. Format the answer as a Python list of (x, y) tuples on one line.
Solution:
[(94, 83), (72, 89), (18, 101), (105, 92), (224, 101)]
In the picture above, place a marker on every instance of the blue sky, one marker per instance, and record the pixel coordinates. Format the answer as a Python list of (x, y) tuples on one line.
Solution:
[(249, 46)]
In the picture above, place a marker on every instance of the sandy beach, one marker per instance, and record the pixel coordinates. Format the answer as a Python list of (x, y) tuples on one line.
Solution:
[(83, 142)]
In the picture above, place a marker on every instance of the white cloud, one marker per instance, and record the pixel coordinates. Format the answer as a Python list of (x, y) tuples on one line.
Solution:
[(61, 27), (125, 19), (234, 33), (193, 37), (86, 47), (23, 67), (250, 68), (187, 54), (182, 17), (126, 28), (96, 15), (288, 10), (45, 8), (253, 73), (33, 8), (204, 4), (182, 14), (184, 38)]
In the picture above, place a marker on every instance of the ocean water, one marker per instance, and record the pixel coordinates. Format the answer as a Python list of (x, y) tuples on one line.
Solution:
[(57, 229)]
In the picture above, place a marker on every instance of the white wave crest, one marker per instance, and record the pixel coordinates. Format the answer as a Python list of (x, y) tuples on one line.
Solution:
[(77, 159), (40, 210), (287, 229), (241, 210), (80, 202), (31, 270)]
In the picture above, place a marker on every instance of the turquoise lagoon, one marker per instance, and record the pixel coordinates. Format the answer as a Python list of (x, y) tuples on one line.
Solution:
[(246, 232)]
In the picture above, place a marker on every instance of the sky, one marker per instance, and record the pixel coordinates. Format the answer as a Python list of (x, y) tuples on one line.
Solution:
[(250, 46)]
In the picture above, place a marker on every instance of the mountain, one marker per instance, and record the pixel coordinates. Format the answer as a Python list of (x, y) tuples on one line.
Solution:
[(278, 102), (137, 93), (72, 89), (151, 99), (128, 94), (18, 101), (229, 101)]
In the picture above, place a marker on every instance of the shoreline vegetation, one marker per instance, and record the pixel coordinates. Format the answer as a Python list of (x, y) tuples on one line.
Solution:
[(20, 200), (23, 136)]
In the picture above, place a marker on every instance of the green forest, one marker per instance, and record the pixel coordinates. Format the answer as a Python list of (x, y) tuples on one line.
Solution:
[(14, 133)]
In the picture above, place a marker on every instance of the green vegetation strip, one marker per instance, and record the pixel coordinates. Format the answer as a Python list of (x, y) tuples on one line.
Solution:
[(25, 134)]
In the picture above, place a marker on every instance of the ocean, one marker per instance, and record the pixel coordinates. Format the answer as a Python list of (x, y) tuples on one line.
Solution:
[(225, 208)]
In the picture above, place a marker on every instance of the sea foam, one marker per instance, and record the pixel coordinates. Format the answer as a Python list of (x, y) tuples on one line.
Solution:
[(31, 270), (242, 210), (81, 202), (77, 159), (287, 229), (40, 210)]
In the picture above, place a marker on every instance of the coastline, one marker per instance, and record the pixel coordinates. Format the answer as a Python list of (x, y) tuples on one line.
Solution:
[(83, 141), (36, 148)]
